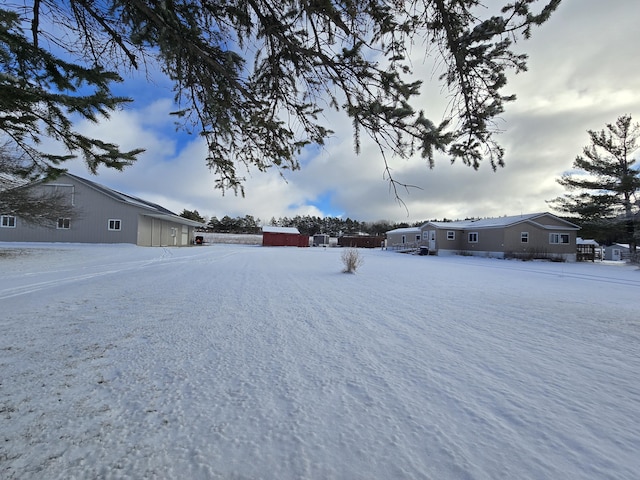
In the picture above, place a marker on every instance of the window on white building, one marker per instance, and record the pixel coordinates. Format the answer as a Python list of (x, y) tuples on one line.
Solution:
[(562, 238), (115, 225), (64, 223), (8, 221)]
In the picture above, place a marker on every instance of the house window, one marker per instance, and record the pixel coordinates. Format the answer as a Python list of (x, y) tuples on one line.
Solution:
[(417, 238), (473, 237), (404, 239), (559, 238), (524, 237), (64, 223), (451, 235), (115, 225), (8, 221)]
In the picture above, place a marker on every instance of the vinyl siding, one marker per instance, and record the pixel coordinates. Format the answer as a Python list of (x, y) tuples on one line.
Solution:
[(496, 240), (93, 209)]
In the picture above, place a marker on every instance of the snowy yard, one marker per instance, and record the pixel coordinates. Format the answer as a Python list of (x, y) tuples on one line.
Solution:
[(245, 362)]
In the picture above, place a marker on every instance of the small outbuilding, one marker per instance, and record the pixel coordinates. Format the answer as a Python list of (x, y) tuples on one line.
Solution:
[(321, 240), (588, 250), (617, 252), (283, 237)]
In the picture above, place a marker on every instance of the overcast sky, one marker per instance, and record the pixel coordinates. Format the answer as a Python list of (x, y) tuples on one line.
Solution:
[(584, 72)]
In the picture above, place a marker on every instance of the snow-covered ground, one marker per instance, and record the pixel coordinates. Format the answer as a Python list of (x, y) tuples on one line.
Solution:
[(245, 362)]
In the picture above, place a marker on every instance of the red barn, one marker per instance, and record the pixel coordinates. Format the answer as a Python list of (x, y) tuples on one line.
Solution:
[(283, 237)]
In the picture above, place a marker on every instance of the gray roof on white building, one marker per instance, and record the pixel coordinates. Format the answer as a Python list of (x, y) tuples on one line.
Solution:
[(153, 209)]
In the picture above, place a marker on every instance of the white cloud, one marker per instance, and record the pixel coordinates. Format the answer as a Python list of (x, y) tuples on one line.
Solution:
[(582, 75)]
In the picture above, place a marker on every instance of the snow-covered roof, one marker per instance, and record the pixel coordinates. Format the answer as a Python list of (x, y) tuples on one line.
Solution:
[(619, 245), (582, 241), (270, 229), (405, 230), (492, 222)]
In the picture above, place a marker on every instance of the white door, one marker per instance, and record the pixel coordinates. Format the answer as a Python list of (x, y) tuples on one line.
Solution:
[(616, 254), (185, 235), (432, 240)]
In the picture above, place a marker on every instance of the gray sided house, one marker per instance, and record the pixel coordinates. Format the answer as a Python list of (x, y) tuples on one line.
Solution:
[(101, 215), (535, 235)]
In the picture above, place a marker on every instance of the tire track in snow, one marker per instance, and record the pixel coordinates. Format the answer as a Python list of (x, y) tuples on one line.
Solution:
[(68, 276), (38, 286)]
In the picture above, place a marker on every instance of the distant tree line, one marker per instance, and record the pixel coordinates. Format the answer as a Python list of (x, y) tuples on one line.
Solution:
[(306, 224), (336, 227)]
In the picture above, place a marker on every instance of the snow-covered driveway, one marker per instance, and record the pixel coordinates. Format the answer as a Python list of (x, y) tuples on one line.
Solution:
[(243, 362)]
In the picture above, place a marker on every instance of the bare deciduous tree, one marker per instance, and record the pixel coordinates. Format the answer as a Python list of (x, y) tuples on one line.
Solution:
[(35, 204)]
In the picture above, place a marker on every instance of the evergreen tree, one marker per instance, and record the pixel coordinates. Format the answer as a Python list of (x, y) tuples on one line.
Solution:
[(214, 224), (41, 94), (248, 224), (252, 76), (192, 215), (606, 181), (378, 228), (351, 227), (228, 224)]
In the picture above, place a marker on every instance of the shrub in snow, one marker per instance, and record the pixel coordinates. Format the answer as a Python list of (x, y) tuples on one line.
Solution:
[(352, 260)]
